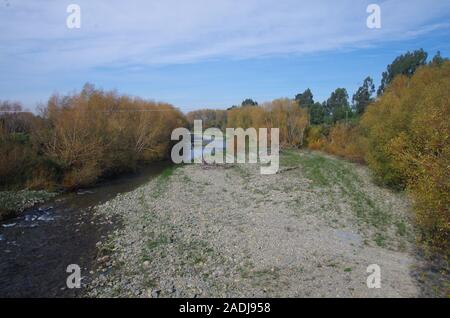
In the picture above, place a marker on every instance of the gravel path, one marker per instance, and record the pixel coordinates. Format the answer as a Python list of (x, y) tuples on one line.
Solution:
[(228, 231)]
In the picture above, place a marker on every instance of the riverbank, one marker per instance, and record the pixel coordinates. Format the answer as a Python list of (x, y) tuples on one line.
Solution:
[(12, 203), (227, 231), (37, 245)]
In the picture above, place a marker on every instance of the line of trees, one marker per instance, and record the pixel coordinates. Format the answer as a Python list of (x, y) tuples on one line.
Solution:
[(77, 138), (407, 132), (216, 118), (284, 114), (403, 136), (402, 133), (338, 107)]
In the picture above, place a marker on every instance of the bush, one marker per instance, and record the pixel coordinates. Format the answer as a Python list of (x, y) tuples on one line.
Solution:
[(408, 133), (94, 133), (16, 161), (316, 137), (81, 137), (284, 114), (345, 140)]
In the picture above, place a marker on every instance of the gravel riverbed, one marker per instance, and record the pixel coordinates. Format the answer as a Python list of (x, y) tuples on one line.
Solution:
[(228, 231)]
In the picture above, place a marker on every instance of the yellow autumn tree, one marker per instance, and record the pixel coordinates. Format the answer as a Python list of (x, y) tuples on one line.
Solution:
[(95, 132), (408, 131), (284, 114)]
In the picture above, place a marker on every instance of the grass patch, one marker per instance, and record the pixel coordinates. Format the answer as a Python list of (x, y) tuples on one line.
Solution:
[(329, 173), (320, 170), (244, 173), (197, 252), (162, 180), (401, 228), (154, 243), (380, 239), (166, 173)]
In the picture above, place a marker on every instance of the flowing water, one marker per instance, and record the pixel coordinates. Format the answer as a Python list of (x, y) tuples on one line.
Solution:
[(37, 246)]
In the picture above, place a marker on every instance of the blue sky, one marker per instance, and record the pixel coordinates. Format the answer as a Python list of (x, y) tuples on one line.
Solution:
[(208, 53)]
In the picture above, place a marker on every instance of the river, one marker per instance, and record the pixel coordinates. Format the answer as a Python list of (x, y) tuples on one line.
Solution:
[(37, 246)]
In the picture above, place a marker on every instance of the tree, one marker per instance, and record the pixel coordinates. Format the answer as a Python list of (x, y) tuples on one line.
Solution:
[(211, 118), (14, 119), (249, 102), (17, 152), (290, 119), (408, 138), (317, 114), (305, 99), (337, 106), (363, 96), (283, 114), (438, 60), (405, 64), (99, 132)]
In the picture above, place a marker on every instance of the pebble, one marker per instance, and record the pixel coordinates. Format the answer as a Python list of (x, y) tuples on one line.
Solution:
[(103, 259), (155, 293), (9, 225), (45, 218), (191, 262), (29, 218)]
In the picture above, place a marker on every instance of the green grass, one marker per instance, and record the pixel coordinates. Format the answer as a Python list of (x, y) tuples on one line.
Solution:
[(401, 228), (316, 168), (328, 173), (154, 243), (380, 239), (166, 173), (162, 181), (262, 277)]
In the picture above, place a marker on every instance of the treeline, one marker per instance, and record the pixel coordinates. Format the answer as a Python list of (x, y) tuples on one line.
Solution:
[(406, 132), (403, 136), (77, 138), (284, 114), (216, 118), (402, 132)]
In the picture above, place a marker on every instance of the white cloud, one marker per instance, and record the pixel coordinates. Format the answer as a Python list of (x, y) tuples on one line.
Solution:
[(34, 37)]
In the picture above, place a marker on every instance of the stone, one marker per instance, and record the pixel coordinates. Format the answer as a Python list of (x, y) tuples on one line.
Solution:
[(155, 293)]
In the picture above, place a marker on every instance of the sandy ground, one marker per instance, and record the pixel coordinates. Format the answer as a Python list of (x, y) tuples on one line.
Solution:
[(228, 231)]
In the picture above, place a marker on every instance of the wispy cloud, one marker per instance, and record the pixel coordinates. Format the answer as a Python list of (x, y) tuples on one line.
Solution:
[(38, 51), (129, 33)]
